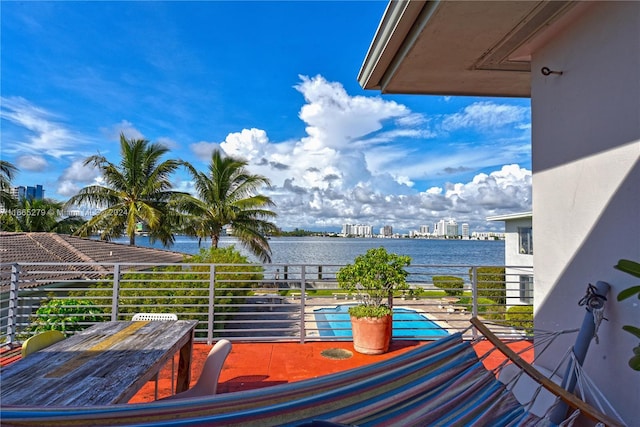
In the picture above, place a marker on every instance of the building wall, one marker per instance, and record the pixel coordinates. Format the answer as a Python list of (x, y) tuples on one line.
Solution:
[(586, 174), (514, 259), (512, 255)]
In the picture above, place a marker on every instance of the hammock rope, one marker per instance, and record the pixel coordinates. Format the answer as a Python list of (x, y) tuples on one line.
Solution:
[(562, 395), (593, 301)]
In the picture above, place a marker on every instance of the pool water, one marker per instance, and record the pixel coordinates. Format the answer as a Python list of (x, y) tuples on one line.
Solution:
[(335, 322)]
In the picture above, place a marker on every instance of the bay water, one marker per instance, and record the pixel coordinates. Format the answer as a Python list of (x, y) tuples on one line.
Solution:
[(339, 250)]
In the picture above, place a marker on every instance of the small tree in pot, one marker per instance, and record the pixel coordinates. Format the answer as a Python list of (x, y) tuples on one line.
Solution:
[(374, 276)]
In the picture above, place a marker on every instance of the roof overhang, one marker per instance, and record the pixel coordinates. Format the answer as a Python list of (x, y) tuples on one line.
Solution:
[(478, 48), (511, 217)]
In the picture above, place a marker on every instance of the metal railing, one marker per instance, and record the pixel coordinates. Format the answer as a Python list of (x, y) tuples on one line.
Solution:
[(254, 302)]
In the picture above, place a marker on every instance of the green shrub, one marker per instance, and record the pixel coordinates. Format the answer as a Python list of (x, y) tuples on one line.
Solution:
[(451, 285), (490, 309), (359, 311), (65, 315), (491, 283), (521, 317), (415, 292), (186, 288)]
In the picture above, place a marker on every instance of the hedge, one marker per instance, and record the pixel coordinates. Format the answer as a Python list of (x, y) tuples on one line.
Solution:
[(451, 285), (491, 283), (521, 316)]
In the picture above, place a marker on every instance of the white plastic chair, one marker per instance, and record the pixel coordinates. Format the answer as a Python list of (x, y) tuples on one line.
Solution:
[(207, 383), (155, 317)]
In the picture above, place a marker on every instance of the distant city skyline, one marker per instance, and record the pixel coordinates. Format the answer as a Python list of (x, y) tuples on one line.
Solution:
[(445, 228)]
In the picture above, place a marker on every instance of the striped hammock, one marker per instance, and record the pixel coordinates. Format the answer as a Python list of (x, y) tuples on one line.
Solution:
[(439, 384)]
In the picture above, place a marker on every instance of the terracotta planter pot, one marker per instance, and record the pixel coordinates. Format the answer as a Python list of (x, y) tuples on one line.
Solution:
[(372, 335)]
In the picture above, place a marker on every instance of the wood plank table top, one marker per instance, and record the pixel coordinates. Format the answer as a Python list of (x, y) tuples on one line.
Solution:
[(106, 363)]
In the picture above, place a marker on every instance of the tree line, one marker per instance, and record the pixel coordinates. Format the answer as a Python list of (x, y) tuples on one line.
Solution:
[(138, 189)]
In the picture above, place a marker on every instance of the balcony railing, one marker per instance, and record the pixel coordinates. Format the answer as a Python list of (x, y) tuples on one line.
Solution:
[(254, 302)]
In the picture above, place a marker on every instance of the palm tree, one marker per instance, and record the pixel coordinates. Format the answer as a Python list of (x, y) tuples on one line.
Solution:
[(40, 215), (7, 173), (137, 190), (227, 197)]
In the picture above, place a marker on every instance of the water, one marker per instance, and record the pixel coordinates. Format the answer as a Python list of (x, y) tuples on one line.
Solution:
[(339, 251), (335, 321)]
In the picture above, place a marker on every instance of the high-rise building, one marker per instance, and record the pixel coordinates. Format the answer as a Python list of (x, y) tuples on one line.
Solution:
[(29, 192), (358, 230), (452, 228), (386, 231), (465, 230)]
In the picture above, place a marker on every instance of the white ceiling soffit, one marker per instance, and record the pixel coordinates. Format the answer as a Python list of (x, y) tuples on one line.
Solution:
[(479, 48)]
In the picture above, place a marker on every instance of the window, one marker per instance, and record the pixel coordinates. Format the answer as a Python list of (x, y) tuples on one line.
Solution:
[(525, 238), (526, 289)]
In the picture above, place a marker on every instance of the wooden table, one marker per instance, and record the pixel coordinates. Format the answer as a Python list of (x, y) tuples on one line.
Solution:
[(106, 363)]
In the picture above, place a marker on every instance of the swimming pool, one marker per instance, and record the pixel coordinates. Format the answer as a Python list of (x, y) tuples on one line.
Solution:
[(335, 322)]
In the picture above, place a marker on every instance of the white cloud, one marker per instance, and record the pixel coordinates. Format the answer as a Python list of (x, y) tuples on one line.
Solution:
[(506, 190), (67, 188), (249, 144), (125, 127), (334, 119), (32, 163), (203, 149), (77, 171), (167, 142), (413, 119), (75, 177), (486, 115), (44, 134), (359, 162)]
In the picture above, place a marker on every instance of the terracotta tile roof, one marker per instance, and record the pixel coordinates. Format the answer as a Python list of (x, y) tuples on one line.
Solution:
[(58, 248)]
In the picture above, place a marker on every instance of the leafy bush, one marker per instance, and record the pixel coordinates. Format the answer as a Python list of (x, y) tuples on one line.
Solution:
[(360, 311), (377, 275), (451, 285), (491, 283), (520, 316), (65, 315), (415, 292), (185, 289), (490, 309)]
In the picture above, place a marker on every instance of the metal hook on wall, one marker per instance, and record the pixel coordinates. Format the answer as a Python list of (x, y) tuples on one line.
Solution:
[(546, 71)]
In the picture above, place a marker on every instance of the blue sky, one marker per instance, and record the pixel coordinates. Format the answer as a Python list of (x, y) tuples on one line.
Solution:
[(274, 83)]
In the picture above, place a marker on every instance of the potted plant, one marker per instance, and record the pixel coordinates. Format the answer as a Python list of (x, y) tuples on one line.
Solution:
[(374, 277)]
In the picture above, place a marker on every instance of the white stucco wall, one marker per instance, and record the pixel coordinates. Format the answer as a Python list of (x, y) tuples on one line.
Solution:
[(586, 186), (514, 259), (512, 255)]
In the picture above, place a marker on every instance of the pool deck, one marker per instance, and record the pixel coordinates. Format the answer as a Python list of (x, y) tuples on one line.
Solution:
[(257, 365), (253, 365)]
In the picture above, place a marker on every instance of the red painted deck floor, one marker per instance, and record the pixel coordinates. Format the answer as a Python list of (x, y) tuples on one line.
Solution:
[(255, 365)]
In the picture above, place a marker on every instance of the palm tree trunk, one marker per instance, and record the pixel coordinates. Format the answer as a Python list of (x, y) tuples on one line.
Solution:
[(132, 239)]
